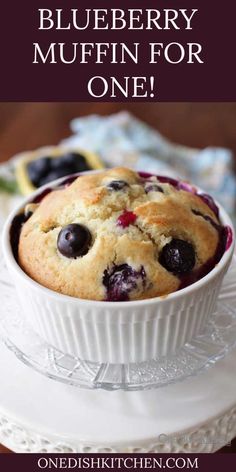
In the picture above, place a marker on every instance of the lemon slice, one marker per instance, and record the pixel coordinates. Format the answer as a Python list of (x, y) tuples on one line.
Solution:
[(24, 183)]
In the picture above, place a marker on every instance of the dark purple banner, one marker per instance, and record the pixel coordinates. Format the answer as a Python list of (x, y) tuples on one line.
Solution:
[(170, 50), (116, 462)]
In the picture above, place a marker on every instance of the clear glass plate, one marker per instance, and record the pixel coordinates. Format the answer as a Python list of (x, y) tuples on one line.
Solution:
[(204, 351)]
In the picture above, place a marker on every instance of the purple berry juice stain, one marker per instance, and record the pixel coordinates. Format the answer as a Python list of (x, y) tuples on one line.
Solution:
[(121, 280)]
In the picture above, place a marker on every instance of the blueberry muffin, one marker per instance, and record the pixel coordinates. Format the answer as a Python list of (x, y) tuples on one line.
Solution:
[(118, 235)]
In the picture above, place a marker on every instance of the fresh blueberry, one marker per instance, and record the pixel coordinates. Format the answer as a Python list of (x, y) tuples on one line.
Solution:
[(79, 161), (46, 169), (71, 158), (121, 280), (74, 240), (117, 185), (60, 163), (75, 161), (153, 188), (38, 168), (178, 256), (55, 174), (55, 164)]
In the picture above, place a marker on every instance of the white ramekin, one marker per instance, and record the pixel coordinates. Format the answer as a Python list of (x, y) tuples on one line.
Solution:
[(117, 332)]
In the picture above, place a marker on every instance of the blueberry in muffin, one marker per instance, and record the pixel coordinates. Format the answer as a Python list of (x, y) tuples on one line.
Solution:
[(73, 240), (118, 235)]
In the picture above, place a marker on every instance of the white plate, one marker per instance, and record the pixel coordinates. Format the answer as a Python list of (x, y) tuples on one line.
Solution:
[(205, 350), (40, 415)]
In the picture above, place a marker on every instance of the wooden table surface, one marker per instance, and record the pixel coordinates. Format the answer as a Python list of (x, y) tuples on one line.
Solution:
[(26, 126), (29, 125)]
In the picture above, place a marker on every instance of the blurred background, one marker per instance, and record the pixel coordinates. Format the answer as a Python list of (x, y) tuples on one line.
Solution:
[(192, 141), (28, 125)]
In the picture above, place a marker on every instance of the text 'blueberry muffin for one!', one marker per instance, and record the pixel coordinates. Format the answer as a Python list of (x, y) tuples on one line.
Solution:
[(118, 235)]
